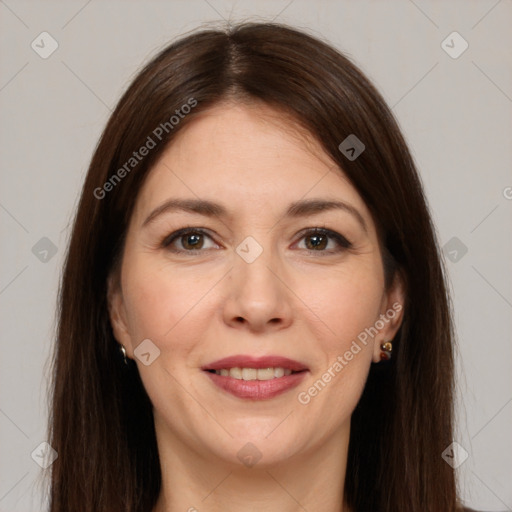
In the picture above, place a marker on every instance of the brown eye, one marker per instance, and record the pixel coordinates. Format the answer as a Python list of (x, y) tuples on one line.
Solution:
[(316, 242), (192, 241), (188, 240), (324, 241)]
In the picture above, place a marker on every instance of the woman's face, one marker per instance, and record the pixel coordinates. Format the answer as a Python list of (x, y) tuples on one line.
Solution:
[(251, 279)]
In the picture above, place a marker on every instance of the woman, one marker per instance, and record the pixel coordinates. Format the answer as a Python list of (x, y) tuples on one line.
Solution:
[(253, 311)]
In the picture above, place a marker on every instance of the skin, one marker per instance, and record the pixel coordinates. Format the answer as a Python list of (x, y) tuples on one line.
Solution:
[(200, 306)]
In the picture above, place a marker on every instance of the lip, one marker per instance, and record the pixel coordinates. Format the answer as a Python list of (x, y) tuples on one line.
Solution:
[(244, 361), (256, 389)]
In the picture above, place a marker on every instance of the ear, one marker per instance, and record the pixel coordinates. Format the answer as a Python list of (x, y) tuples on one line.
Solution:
[(117, 313), (392, 313)]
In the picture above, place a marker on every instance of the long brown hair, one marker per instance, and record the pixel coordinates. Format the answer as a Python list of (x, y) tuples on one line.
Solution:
[(101, 421)]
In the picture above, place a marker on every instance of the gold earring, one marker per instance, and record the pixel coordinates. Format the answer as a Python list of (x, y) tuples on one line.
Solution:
[(387, 348), (123, 351)]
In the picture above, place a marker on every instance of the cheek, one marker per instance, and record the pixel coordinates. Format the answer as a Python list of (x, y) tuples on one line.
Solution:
[(161, 301), (348, 301)]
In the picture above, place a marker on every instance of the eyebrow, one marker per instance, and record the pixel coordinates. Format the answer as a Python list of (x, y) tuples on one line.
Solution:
[(297, 209)]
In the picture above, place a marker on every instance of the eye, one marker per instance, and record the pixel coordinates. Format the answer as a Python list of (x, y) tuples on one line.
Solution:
[(187, 240), (194, 240), (324, 240)]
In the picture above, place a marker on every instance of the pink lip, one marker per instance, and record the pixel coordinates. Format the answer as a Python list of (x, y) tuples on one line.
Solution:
[(256, 389), (242, 361)]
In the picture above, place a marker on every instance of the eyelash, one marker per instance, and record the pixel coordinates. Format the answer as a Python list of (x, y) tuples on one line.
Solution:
[(337, 237)]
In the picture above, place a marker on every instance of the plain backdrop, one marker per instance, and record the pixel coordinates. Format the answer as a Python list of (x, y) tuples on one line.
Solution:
[(455, 110)]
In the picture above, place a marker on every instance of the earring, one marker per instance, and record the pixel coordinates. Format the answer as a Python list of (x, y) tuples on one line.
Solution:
[(123, 351), (387, 348)]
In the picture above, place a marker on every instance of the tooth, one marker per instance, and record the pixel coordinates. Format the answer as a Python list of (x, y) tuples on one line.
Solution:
[(249, 374), (265, 373), (253, 373), (278, 372), (236, 373)]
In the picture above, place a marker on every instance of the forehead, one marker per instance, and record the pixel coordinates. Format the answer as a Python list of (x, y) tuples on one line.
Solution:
[(247, 157)]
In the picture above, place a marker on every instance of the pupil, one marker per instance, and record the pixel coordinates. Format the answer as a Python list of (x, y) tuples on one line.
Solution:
[(317, 241), (193, 241)]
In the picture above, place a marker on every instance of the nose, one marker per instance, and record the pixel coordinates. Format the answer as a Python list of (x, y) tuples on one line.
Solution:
[(258, 298)]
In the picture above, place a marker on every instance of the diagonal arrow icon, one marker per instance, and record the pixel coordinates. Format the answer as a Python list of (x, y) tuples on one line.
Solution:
[(455, 455), (147, 352), (44, 45), (44, 455), (454, 45), (351, 147), (249, 249), (454, 249), (40, 455), (44, 250)]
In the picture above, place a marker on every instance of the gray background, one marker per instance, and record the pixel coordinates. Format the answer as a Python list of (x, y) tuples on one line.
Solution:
[(456, 115)]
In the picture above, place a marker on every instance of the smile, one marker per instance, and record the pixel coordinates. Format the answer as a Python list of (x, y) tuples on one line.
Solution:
[(255, 378), (253, 373)]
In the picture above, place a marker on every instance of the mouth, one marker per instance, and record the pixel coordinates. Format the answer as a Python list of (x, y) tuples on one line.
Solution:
[(255, 378), (249, 374)]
